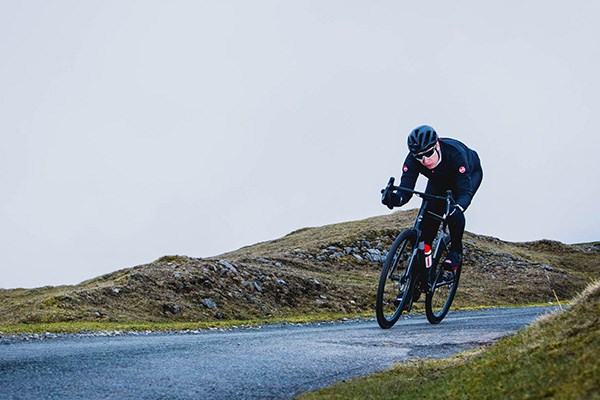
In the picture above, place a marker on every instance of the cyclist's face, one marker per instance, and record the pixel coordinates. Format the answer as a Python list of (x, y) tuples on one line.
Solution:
[(431, 162)]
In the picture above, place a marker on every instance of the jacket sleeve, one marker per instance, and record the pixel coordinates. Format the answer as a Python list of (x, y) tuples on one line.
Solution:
[(464, 188), (409, 178)]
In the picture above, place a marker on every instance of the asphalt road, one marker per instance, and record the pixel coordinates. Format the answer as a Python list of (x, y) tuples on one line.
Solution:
[(271, 362)]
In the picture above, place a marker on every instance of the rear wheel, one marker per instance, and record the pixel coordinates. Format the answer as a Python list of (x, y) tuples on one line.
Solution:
[(440, 297), (394, 290)]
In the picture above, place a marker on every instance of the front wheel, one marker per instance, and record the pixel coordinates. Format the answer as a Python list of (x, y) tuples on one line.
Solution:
[(443, 288), (394, 290)]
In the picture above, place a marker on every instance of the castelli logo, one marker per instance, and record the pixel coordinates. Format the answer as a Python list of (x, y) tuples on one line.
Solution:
[(405, 168), (462, 170)]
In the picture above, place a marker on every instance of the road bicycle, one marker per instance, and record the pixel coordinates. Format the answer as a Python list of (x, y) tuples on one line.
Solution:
[(408, 272)]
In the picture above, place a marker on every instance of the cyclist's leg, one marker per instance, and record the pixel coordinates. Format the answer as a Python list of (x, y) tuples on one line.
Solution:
[(456, 226)]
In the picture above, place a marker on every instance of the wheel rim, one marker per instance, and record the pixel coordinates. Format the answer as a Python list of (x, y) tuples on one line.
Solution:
[(397, 282), (444, 287)]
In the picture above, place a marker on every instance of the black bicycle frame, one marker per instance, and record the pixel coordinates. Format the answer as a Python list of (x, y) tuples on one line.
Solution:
[(426, 278)]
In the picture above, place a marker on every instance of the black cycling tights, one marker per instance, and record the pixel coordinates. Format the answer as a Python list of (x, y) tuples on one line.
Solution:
[(456, 225)]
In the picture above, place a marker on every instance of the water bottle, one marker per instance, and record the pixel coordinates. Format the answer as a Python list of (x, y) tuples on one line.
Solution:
[(428, 258)]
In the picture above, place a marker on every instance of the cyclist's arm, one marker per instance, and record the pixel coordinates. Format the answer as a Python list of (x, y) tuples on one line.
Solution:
[(410, 173), (464, 189)]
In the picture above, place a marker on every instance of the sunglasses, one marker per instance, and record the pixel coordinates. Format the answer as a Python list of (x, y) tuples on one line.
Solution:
[(427, 154)]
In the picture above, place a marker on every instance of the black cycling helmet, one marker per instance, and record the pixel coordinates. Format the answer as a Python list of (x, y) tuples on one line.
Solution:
[(422, 138)]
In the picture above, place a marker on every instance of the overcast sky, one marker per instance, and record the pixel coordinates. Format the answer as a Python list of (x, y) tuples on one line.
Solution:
[(135, 129)]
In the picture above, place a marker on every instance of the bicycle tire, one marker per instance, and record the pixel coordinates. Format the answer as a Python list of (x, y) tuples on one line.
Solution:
[(439, 298), (396, 280)]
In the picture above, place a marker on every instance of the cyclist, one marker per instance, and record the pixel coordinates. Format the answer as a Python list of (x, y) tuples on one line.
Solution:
[(449, 165)]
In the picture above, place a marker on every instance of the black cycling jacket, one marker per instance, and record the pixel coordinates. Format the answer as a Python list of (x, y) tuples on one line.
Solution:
[(453, 172)]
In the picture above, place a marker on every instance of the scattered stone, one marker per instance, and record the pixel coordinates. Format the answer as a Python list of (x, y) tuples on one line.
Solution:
[(547, 267), (374, 255), (98, 314), (257, 287), (358, 257), (278, 264), (323, 297), (209, 303), (251, 298), (171, 308), (281, 282), (117, 290), (228, 265), (264, 260)]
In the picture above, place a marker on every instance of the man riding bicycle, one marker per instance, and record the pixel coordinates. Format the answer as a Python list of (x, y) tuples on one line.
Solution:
[(449, 165)]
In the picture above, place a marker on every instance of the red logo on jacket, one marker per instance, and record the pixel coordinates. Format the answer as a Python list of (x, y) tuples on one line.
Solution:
[(462, 170), (405, 168)]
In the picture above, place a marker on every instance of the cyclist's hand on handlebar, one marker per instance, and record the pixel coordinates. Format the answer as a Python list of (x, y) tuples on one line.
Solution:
[(391, 200)]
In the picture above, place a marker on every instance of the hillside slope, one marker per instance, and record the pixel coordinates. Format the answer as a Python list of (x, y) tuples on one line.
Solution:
[(329, 269)]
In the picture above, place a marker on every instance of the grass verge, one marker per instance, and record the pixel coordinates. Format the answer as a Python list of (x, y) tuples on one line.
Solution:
[(556, 357), (82, 326)]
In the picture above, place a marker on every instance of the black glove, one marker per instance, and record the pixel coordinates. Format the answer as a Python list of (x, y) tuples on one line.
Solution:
[(391, 200)]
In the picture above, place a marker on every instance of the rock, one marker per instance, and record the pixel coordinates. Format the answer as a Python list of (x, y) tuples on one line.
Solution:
[(547, 267), (98, 314), (253, 284), (209, 303), (171, 308), (337, 254), (264, 260), (281, 282), (358, 257), (278, 264), (228, 265), (374, 255), (117, 290), (250, 298)]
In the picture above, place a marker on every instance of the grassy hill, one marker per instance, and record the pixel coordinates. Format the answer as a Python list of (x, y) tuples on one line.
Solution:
[(556, 357), (313, 271)]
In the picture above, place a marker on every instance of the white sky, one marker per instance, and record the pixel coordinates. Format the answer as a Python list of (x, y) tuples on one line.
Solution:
[(134, 129)]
